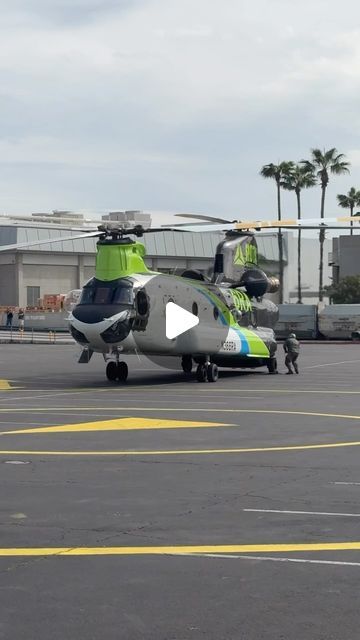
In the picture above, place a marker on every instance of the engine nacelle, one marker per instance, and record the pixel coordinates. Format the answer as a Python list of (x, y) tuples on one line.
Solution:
[(257, 283)]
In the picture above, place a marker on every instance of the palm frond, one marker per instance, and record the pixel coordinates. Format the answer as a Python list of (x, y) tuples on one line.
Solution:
[(340, 167)]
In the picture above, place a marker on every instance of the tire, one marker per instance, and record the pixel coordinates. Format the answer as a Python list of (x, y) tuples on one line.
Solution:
[(111, 371), (212, 372), (122, 371), (201, 374), (272, 366)]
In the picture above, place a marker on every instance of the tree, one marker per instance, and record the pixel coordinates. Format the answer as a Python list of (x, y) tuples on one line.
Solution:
[(278, 172), (321, 163), (347, 291), (349, 201), (301, 177)]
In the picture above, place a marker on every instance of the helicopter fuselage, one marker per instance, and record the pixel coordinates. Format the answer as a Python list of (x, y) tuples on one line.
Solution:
[(128, 315)]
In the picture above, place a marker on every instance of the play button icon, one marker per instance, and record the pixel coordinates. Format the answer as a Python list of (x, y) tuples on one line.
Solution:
[(178, 320)]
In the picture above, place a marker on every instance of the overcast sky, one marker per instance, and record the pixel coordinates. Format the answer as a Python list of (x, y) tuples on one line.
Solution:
[(173, 104)]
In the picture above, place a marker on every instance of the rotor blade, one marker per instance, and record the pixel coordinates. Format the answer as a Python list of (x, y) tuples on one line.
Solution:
[(201, 217), (314, 223), (35, 243), (295, 223), (204, 228), (49, 220)]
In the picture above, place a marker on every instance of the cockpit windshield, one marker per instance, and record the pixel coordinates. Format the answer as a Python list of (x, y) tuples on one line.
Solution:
[(96, 293)]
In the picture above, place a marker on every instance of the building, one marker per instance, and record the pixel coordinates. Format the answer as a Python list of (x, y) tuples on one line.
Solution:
[(345, 257)]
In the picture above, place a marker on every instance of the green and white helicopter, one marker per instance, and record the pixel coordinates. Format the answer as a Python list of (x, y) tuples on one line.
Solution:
[(122, 309)]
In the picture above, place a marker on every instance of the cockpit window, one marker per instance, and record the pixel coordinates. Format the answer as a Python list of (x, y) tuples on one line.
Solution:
[(123, 295), (96, 294)]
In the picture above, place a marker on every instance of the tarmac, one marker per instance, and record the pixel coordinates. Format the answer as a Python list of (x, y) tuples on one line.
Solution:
[(166, 509)]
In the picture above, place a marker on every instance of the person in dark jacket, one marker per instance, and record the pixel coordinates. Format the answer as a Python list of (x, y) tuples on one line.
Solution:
[(292, 350), (9, 317)]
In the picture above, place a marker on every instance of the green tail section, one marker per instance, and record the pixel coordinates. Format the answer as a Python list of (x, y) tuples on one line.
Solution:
[(119, 260)]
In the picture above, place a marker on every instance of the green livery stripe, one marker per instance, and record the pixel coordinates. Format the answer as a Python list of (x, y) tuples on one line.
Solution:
[(257, 347)]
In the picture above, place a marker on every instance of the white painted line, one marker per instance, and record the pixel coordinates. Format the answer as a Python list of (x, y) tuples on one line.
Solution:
[(275, 559), (350, 483), (331, 364), (304, 513)]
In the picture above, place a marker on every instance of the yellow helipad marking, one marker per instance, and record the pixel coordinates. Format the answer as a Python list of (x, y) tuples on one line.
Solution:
[(180, 550), (119, 424), (5, 385), (182, 452)]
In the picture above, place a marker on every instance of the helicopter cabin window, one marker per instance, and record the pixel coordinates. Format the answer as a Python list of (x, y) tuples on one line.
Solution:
[(87, 295), (102, 295), (107, 295), (123, 295)]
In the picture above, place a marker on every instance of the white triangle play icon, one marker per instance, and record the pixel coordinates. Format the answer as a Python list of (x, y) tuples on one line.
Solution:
[(178, 320)]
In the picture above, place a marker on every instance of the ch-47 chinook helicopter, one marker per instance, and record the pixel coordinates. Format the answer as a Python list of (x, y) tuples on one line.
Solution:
[(122, 309)]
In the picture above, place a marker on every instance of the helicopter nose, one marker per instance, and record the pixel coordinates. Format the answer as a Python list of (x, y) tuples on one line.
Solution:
[(119, 329)]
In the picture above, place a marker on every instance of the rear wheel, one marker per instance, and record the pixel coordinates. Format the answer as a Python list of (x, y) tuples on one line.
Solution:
[(201, 374), (111, 371), (272, 365), (212, 372)]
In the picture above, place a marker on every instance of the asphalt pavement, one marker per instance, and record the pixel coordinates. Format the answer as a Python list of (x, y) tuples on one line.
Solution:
[(167, 509)]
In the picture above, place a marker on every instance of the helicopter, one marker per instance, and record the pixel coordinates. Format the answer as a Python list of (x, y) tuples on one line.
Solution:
[(123, 309)]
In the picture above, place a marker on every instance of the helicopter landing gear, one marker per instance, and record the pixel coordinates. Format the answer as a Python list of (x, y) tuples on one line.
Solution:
[(201, 373), (207, 372), (272, 366), (187, 364), (117, 371)]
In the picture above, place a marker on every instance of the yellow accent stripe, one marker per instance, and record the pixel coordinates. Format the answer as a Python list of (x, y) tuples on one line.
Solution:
[(180, 550), (183, 452), (119, 424)]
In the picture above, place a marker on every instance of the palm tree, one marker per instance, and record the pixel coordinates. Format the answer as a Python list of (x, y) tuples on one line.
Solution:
[(321, 163), (278, 172), (350, 201), (301, 177)]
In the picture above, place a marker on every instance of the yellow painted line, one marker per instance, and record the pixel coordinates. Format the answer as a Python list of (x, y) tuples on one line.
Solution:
[(182, 452), (170, 388), (118, 424), (123, 409), (5, 385), (180, 550)]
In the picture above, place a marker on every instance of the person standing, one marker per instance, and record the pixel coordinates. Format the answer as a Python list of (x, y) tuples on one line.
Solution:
[(292, 350), (21, 319), (9, 317)]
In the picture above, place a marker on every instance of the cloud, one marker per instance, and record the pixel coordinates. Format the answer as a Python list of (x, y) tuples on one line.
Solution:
[(180, 103)]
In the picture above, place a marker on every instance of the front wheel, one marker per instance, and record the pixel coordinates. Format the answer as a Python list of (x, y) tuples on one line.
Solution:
[(122, 371), (111, 371)]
